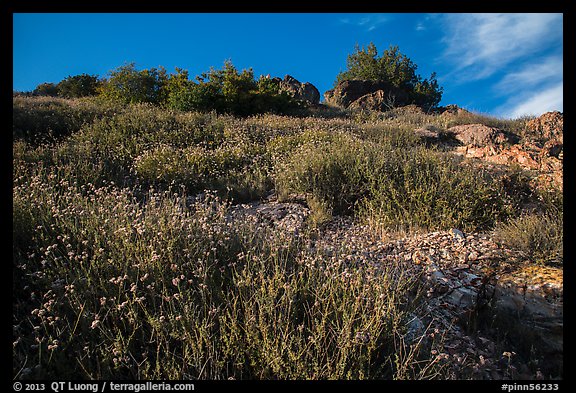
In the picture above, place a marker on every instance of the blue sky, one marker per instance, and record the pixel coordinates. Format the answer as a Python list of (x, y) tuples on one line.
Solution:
[(506, 65)]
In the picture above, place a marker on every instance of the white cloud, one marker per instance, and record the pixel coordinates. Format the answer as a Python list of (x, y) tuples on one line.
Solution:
[(368, 22), (481, 44), (519, 54), (549, 69), (420, 26), (534, 103)]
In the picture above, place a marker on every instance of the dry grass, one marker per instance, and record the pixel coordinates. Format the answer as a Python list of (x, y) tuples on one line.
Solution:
[(116, 275)]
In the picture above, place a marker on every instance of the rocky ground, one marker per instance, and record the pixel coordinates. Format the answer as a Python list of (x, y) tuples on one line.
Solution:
[(485, 312)]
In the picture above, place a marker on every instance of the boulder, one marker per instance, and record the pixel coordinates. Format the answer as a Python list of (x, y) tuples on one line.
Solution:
[(479, 135), (428, 133), (548, 126), (376, 101), (530, 302), (547, 159), (301, 91), (451, 110), (346, 92)]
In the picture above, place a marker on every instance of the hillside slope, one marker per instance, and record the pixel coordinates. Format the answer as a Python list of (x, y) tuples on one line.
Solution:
[(350, 244)]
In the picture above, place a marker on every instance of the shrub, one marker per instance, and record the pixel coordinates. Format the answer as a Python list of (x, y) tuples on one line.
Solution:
[(46, 89), (394, 68), (539, 237), (232, 169), (78, 86), (111, 288), (398, 188), (230, 91), (331, 172), (420, 188), (128, 85)]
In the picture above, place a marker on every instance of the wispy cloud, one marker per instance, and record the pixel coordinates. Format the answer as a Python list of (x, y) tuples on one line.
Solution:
[(534, 103), (519, 53), (481, 44), (368, 22), (420, 26), (547, 70), (534, 88)]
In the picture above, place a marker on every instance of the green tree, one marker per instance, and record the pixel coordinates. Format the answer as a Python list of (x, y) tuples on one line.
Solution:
[(174, 85), (78, 86), (394, 68), (46, 89), (128, 85)]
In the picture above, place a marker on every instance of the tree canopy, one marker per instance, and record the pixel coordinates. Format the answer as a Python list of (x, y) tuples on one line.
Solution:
[(394, 68)]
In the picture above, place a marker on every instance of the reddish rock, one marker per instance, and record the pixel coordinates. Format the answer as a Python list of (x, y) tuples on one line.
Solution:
[(451, 110), (548, 126), (479, 135)]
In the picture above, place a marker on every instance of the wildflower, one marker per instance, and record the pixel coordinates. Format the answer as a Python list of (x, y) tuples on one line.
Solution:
[(53, 346), (122, 305)]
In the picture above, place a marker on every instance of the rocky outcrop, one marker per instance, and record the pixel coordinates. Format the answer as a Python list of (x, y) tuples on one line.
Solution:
[(347, 92), (301, 91), (477, 135), (376, 101), (540, 150), (547, 159), (430, 134), (532, 299), (549, 126), (451, 110)]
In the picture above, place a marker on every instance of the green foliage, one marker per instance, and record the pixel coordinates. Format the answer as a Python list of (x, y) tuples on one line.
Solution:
[(46, 89), (394, 68), (78, 86), (399, 188), (128, 85), (225, 90), (229, 91)]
